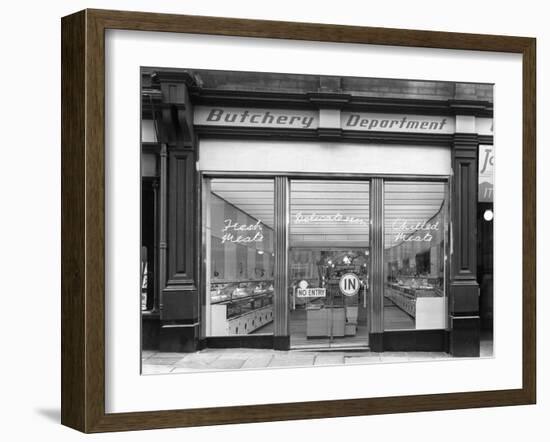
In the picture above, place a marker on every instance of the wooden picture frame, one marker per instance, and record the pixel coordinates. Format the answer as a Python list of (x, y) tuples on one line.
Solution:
[(83, 220)]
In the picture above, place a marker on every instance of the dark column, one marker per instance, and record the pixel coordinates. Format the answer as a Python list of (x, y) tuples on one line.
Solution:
[(156, 297), (179, 301), (464, 321), (376, 313), (163, 208)]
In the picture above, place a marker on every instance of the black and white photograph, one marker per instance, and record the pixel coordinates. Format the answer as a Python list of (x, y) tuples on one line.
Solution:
[(299, 220), (275, 221)]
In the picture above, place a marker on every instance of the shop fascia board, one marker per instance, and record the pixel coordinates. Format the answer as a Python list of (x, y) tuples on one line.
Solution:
[(346, 102)]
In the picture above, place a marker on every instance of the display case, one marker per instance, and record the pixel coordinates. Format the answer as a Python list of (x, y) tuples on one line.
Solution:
[(242, 307), (331, 314), (419, 297)]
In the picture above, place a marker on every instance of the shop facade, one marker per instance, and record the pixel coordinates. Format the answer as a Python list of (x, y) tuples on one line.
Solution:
[(292, 211)]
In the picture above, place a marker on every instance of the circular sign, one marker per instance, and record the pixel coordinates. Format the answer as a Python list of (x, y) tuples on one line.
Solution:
[(349, 284), (303, 284)]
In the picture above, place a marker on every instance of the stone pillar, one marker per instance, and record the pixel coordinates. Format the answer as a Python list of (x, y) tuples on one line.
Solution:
[(464, 320), (163, 205), (179, 245)]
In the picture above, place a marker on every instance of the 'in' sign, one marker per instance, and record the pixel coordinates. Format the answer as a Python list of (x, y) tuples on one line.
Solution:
[(349, 284)]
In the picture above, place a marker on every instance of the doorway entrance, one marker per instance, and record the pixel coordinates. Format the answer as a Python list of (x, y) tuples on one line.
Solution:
[(328, 263)]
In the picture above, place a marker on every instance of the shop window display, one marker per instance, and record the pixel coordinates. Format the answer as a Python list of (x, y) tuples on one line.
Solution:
[(415, 226), (240, 256)]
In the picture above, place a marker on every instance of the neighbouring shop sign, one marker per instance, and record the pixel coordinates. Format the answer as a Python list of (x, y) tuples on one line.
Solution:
[(238, 233), (486, 166), (311, 119)]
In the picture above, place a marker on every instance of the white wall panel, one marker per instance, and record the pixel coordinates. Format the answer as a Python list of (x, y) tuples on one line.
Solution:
[(323, 157)]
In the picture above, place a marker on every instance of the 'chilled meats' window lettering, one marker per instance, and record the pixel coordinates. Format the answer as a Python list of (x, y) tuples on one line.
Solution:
[(242, 233), (302, 218), (415, 229), (407, 231)]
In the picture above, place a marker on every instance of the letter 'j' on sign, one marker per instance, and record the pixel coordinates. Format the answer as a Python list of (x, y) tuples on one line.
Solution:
[(349, 284)]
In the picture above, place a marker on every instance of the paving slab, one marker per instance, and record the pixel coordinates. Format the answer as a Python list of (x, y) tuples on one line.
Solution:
[(362, 360), (245, 354), (189, 370), (249, 358), (361, 354), (154, 360), (257, 361), (165, 354), (192, 364), (329, 359), (201, 357), (155, 369), (226, 364), (394, 356), (292, 360)]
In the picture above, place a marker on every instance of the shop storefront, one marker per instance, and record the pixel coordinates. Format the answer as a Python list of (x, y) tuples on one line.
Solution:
[(291, 212)]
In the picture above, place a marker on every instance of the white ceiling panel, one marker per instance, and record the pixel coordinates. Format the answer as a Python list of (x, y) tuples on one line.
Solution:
[(334, 212)]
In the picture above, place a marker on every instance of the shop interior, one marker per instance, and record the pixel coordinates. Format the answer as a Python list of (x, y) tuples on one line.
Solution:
[(329, 237), (240, 256), (415, 230), (329, 223)]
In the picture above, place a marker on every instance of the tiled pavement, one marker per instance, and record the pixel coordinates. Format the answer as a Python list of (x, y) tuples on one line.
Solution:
[(245, 358)]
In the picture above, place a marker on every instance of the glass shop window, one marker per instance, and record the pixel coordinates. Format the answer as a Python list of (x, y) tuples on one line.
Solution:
[(415, 234), (328, 239), (240, 256)]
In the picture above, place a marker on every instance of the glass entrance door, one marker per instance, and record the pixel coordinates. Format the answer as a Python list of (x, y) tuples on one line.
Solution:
[(329, 263)]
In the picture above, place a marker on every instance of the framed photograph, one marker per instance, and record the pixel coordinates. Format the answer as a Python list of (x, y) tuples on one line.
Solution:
[(268, 221)]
